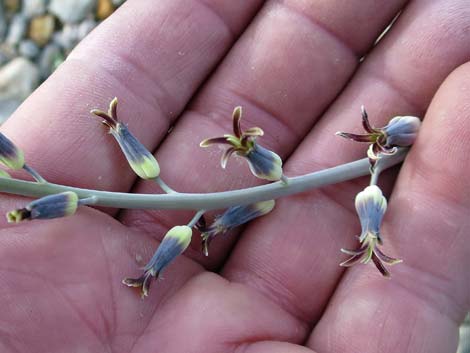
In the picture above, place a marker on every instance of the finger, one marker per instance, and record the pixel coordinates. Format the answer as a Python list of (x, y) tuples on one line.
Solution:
[(282, 98), (67, 273), (421, 307), (214, 315), (153, 56), (292, 256)]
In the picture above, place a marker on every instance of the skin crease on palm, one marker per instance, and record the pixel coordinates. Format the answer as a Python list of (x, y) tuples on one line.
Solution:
[(276, 285)]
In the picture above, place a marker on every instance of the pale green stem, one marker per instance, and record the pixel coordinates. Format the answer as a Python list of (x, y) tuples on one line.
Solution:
[(208, 201), (196, 218), (164, 186), (34, 174)]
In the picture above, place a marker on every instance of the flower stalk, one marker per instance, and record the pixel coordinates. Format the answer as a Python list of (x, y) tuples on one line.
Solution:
[(208, 201)]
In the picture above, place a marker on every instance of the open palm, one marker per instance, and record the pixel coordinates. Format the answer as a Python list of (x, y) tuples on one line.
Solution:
[(276, 287)]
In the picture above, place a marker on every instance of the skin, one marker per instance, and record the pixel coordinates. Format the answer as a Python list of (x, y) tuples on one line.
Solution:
[(276, 286)]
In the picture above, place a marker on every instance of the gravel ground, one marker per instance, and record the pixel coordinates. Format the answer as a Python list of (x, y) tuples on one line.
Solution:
[(37, 35)]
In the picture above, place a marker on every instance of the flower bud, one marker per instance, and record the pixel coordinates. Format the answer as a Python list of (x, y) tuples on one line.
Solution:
[(52, 206), (370, 206), (401, 131), (264, 163), (10, 155), (142, 162), (234, 217), (175, 242)]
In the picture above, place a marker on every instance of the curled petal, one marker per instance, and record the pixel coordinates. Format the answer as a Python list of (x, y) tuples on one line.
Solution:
[(226, 155), (107, 119), (206, 239), (356, 137), (387, 259), (112, 110), (365, 121), (360, 251), (380, 266), (236, 117), (253, 131), (143, 282), (355, 259), (214, 140)]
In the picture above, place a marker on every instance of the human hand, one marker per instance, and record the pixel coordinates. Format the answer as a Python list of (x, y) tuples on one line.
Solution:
[(294, 67)]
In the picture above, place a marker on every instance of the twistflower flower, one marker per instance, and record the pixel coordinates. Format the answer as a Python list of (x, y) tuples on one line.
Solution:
[(370, 206), (263, 163), (142, 162), (401, 131), (174, 243), (10, 155), (52, 206), (231, 218)]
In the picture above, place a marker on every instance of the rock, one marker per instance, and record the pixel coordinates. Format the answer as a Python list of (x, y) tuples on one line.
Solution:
[(85, 27), (67, 38), (7, 108), (41, 29), (7, 52), (33, 8), (11, 5), (50, 57), (28, 48), (104, 9), (17, 29), (18, 79), (71, 11)]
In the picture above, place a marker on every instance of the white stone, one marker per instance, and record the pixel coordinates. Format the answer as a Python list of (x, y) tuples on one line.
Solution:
[(18, 79), (85, 27), (17, 29), (28, 48), (32, 8), (71, 11), (67, 38), (50, 57)]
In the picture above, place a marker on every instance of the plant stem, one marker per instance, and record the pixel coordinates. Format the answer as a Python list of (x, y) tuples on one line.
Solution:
[(208, 201), (196, 218), (164, 186)]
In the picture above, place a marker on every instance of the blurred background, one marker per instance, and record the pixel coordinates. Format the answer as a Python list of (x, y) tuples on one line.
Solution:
[(37, 35)]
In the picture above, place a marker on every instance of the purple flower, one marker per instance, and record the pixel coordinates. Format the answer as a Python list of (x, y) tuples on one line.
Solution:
[(263, 163), (48, 207), (370, 206), (174, 243), (142, 162), (401, 131), (10, 155), (231, 218)]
